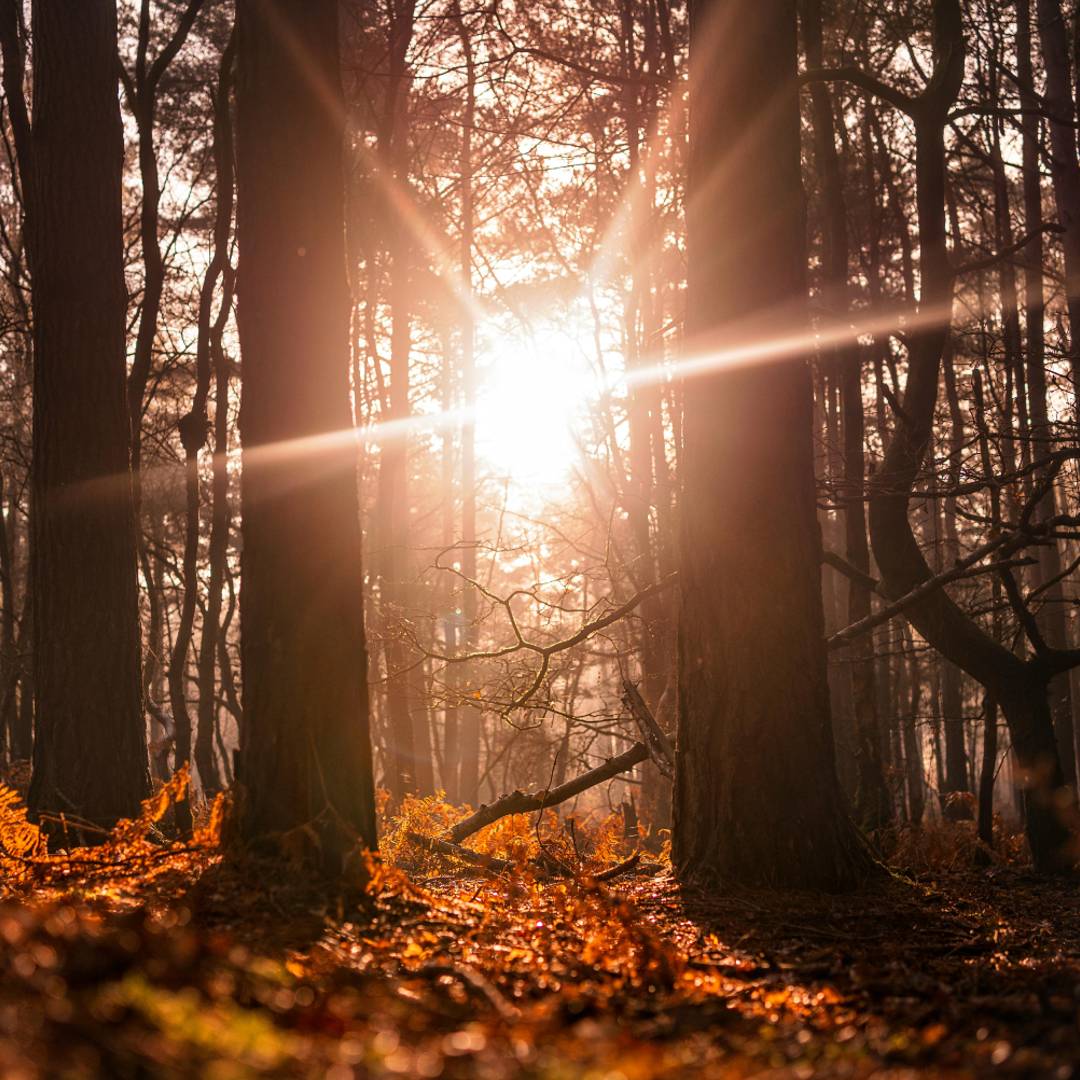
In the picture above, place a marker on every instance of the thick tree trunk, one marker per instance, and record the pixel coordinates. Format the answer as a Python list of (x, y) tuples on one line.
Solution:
[(305, 755), (756, 795), (90, 748)]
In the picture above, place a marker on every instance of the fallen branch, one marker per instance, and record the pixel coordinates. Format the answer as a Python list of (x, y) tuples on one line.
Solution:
[(618, 868), (521, 802), (473, 980), (445, 847)]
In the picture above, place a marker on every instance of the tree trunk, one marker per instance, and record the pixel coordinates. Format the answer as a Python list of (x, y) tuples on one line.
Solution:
[(90, 748), (305, 755), (9, 661), (1052, 614), (470, 717), (756, 795), (952, 700), (404, 766), (1064, 165), (212, 361)]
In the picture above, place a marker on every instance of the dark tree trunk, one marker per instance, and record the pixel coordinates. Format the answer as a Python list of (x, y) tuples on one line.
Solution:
[(988, 772), (305, 755), (1064, 165), (90, 749), (913, 755), (952, 682), (405, 739), (756, 795), (1052, 614), (9, 660)]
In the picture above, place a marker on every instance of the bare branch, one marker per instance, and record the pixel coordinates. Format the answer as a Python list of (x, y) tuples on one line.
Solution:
[(520, 802), (865, 81)]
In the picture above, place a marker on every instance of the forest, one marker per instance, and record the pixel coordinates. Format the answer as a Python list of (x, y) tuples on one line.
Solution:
[(539, 539)]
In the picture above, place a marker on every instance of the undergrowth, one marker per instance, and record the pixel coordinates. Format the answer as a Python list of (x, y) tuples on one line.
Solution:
[(145, 955)]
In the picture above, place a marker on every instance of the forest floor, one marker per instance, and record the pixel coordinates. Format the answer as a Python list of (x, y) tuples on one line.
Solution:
[(171, 962)]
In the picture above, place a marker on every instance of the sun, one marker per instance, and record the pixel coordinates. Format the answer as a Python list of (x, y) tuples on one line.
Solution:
[(532, 404)]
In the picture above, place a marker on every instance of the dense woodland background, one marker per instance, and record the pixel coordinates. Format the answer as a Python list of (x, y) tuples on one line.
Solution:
[(538, 538), (516, 182)]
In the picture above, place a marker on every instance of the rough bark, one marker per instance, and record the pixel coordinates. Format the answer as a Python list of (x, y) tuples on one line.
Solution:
[(90, 754), (756, 795), (305, 755)]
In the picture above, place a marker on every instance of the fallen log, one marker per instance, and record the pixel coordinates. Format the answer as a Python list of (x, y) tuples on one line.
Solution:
[(445, 847), (499, 866), (544, 863), (618, 868), (521, 802)]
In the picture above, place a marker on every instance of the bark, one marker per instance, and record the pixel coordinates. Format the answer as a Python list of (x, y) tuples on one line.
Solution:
[(520, 802), (305, 754), (90, 755), (756, 795)]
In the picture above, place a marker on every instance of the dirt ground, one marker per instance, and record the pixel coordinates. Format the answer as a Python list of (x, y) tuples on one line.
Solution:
[(206, 970)]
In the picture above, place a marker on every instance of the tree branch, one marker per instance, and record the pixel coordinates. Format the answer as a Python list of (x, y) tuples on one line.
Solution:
[(520, 802), (865, 81)]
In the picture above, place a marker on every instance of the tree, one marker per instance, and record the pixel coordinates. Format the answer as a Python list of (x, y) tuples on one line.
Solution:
[(305, 755), (757, 800), (90, 757)]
